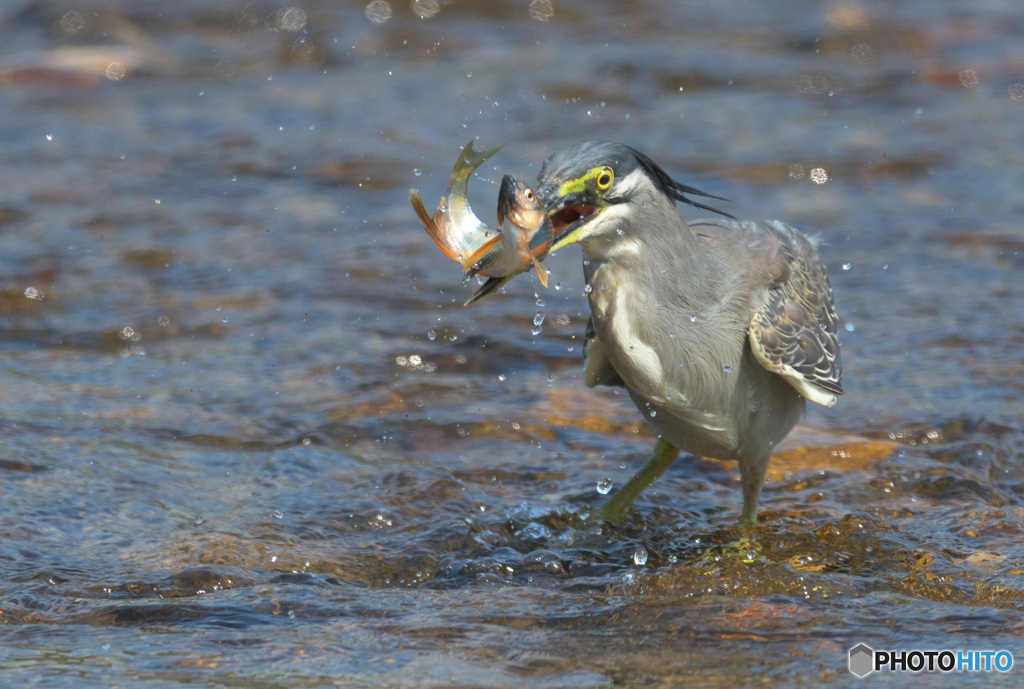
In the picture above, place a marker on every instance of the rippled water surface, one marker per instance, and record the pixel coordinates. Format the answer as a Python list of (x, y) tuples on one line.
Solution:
[(250, 437)]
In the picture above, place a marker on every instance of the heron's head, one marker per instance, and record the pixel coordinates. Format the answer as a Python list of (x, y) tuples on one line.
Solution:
[(593, 188)]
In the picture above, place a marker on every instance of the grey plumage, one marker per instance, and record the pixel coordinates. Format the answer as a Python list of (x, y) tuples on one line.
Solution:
[(719, 329)]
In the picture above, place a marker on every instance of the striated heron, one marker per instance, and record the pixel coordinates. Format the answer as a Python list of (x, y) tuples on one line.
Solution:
[(718, 329)]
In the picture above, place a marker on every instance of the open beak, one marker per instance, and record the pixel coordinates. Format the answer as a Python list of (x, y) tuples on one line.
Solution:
[(568, 214)]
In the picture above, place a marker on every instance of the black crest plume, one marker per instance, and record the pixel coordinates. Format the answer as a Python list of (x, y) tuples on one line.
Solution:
[(677, 190)]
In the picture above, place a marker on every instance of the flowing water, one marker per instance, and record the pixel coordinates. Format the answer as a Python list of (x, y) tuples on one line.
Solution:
[(250, 437)]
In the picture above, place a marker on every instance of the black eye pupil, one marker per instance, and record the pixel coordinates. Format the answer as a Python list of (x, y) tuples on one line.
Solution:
[(603, 180)]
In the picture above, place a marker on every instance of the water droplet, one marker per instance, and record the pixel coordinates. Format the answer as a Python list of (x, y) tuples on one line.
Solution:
[(115, 72), (654, 412), (34, 293), (380, 521), (425, 9), (819, 176), (587, 289), (672, 335), (129, 334), (536, 330), (49, 137), (640, 556), (969, 78), (540, 302), (796, 171), (541, 10), (1017, 92), (727, 368), (846, 266), (751, 554), (431, 335), (501, 377), (619, 231), (693, 319), (277, 514), (72, 22), (850, 327), (378, 11), (416, 171), (538, 319), (604, 486)]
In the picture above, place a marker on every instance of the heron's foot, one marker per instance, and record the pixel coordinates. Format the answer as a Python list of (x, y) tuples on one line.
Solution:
[(745, 549)]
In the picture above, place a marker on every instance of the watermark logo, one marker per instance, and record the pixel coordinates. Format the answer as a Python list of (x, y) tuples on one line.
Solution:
[(864, 660)]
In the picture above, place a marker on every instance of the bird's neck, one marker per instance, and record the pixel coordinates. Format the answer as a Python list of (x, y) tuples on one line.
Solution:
[(655, 252), (643, 233)]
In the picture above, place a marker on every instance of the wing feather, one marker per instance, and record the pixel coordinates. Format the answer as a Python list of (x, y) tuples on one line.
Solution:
[(795, 332)]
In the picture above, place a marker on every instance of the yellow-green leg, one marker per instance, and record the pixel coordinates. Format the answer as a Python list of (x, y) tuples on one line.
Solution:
[(614, 510), (752, 473)]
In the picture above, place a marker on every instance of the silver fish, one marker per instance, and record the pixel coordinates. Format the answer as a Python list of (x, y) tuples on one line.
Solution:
[(515, 246)]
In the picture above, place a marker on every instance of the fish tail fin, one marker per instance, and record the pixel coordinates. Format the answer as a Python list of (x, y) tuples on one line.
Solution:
[(489, 287), (471, 160)]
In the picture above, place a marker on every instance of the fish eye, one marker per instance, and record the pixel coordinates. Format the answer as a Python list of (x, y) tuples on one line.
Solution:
[(604, 179), (528, 194)]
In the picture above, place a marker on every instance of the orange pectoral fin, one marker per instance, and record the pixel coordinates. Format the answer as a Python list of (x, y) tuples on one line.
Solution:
[(479, 253), (542, 250), (542, 272), (430, 224)]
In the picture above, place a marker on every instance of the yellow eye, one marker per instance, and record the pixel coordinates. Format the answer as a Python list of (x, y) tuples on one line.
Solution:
[(604, 179)]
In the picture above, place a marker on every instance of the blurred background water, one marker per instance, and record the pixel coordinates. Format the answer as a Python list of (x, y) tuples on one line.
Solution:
[(250, 437)]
